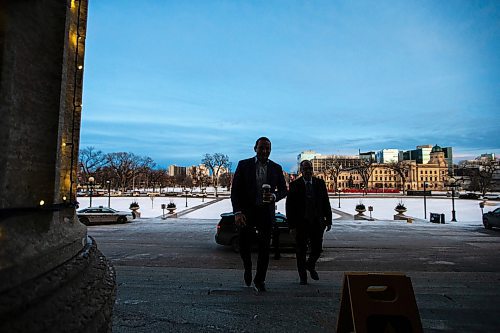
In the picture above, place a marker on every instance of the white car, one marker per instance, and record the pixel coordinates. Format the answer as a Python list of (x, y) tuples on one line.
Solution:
[(491, 196), (102, 214)]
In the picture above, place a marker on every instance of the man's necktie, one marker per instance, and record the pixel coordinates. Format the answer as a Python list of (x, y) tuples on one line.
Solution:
[(309, 190)]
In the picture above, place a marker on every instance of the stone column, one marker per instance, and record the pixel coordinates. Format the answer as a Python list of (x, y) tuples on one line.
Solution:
[(46, 259)]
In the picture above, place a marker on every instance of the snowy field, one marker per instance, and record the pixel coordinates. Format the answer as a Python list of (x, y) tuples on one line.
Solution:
[(467, 211), (148, 208), (383, 208)]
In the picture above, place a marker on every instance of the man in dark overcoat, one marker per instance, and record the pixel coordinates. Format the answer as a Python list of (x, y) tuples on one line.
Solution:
[(254, 208), (309, 213)]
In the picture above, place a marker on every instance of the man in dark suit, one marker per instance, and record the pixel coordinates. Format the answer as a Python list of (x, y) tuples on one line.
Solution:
[(308, 212), (254, 208)]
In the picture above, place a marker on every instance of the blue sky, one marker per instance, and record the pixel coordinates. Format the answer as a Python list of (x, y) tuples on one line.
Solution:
[(174, 80)]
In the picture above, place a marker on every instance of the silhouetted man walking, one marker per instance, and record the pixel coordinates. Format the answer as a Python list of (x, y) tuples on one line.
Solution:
[(258, 184), (308, 212)]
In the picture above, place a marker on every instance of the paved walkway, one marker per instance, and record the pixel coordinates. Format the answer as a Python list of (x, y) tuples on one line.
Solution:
[(173, 277), (192, 209), (343, 215)]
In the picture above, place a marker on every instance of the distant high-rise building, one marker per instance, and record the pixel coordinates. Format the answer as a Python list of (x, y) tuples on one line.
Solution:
[(388, 156), (370, 155), (175, 170), (448, 155), (421, 155)]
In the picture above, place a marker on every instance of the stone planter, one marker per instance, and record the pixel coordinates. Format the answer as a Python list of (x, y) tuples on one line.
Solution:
[(171, 209), (360, 211), (135, 212)]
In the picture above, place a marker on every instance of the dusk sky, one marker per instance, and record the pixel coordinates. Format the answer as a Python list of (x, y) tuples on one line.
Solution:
[(174, 80)]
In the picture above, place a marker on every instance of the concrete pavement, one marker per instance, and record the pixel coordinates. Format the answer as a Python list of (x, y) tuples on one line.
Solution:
[(173, 277)]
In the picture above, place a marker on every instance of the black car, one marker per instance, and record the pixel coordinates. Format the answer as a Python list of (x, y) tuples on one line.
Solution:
[(492, 219), (469, 196), (227, 232)]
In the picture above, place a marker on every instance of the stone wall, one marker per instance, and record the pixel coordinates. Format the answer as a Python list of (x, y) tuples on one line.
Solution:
[(41, 73)]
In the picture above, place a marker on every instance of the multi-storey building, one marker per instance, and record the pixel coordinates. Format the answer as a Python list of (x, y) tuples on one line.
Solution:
[(198, 170), (411, 175), (369, 155), (175, 170), (388, 156), (321, 163)]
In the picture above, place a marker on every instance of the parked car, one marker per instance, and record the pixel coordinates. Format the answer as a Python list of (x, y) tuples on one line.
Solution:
[(469, 195), (492, 219), (491, 196), (227, 232), (102, 214)]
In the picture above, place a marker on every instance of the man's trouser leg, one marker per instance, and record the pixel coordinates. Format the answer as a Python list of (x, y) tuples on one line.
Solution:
[(301, 250), (316, 237), (263, 239), (246, 235)]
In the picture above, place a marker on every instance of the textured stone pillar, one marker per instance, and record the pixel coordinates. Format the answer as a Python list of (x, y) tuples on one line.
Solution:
[(43, 247)]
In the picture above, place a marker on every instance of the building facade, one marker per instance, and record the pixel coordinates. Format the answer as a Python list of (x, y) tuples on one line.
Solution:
[(175, 170), (388, 156), (411, 175)]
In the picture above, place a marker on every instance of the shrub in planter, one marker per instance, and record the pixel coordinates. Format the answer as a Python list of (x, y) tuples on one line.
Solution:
[(360, 206), (400, 206), (134, 205)]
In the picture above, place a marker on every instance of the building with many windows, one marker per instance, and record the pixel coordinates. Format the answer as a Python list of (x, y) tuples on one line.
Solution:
[(198, 171), (322, 163), (388, 156), (175, 170), (408, 174)]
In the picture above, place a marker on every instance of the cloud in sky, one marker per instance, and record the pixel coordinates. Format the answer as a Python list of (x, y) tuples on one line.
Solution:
[(176, 80)]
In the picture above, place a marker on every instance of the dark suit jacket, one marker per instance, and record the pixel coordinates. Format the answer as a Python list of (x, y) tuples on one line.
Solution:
[(296, 202), (244, 187)]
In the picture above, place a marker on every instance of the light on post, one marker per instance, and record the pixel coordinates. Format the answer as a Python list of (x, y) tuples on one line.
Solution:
[(452, 182), (109, 193), (425, 201), (91, 182)]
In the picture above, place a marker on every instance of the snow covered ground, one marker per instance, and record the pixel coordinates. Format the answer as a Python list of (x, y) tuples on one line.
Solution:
[(148, 208), (467, 211)]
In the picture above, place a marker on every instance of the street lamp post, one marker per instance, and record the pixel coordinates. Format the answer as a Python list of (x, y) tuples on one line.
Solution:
[(91, 181), (109, 193), (452, 182), (202, 195), (425, 201), (186, 194), (338, 190)]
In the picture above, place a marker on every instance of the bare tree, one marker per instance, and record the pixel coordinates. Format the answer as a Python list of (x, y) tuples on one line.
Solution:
[(125, 166), (484, 175), (91, 161), (479, 174), (401, 168), (226, 178), (365, 169), (217, 163), (158, 177), (332, 171)]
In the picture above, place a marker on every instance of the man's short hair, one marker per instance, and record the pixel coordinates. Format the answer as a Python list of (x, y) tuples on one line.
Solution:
[(262, 138), (305, 161)]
